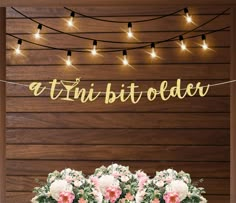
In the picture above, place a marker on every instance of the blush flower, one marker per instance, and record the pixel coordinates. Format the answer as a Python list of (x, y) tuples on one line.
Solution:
[(129, 196), (66, 197), (171, 197), (112, 194), (155, 201), (82, 200)]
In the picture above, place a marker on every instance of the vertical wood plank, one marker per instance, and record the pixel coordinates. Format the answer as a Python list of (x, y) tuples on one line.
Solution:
[(233, 110), (2, 101)]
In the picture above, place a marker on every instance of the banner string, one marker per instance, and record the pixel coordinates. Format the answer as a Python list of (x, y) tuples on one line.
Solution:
[(182, 89)]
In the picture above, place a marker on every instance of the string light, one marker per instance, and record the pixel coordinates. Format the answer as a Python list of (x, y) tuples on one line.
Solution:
[(153, 52), (182, 44), (125, 60), (37, 34), (94, 50), (70, 21), (130, 33), (187, 16), (17, 49), (204, 44), (68, 61)]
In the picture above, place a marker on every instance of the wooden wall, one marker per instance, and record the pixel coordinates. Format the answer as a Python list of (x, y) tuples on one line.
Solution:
[(190, 134)]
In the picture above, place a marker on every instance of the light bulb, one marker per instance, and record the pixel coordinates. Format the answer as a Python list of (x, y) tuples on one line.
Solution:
[(70, 21), (153, 52), (125, 60), (37, 34), (204, 44), (68, 61), (182, 44), (187, 16), (94, 50), (130, 33), (17, 49)]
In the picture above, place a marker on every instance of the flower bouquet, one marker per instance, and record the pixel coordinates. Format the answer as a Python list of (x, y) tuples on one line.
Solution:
[(117, 184)]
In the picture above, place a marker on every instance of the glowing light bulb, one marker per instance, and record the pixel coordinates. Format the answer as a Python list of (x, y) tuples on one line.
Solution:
[(94, 50), (125, 60), (153, 52), (130, 33), (187, 16), (68, 61), (182, 44), (204, 44), (70, 21), (17, 49), (37, 34)]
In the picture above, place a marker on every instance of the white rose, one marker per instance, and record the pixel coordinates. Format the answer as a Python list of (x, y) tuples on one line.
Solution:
[(124, 178), (59, 186), (77, 183), (179, 187), (160, 183)]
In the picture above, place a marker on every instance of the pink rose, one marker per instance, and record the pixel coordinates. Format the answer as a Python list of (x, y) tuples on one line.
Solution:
[(112, 193), (171, 197), (95, 181), (155, 201), (66, 197), (129, 196), (82, 200)]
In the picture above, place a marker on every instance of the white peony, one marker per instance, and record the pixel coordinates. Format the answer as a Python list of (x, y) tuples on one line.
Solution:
[(179, 187), (59, 186), (107, 181)]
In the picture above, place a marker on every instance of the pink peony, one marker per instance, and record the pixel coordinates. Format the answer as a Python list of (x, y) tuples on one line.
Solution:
[(171, 197), (66, 197), (155, 201), (82, 200), (112, 193)]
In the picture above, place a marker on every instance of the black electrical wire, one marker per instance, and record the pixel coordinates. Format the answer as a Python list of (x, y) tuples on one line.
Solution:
[(116, 21), (116, 50), (107, 41)]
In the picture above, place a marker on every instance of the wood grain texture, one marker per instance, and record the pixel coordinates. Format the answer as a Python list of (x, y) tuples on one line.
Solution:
[(117, 120), (112, 153), (171, 56), (122, 3), (194, 104), (2, 103), (233, 109), (43, 167), (111, 11), (119, 136), (217, 39), (190, 135), (117, 72), (90, 25)]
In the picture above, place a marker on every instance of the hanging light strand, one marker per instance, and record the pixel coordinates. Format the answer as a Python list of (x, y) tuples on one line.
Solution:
[(18, 47), (117, 42)]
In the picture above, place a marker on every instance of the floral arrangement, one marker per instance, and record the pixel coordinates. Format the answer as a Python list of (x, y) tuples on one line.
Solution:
[(117, 184)]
